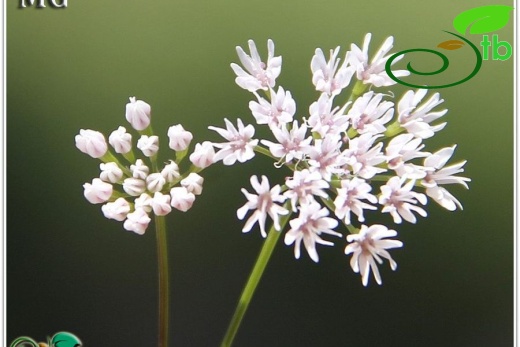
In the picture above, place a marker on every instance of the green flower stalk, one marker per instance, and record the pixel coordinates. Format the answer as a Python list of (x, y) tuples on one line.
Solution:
[(134, 190)]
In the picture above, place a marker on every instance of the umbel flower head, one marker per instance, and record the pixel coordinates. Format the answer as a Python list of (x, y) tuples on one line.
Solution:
[(357, 153), (132, 189)]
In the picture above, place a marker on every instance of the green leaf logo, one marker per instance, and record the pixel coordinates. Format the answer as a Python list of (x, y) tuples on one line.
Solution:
[(65, 339), (482, 20)]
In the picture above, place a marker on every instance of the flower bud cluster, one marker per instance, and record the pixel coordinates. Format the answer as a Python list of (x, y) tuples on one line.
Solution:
[(132, 189), (352, 154)]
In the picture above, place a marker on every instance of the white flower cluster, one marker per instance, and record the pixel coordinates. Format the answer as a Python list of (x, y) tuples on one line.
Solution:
[(131, 189), (363, 154)]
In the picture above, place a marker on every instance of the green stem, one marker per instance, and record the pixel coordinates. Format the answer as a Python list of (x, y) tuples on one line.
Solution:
[(130, 157), (394, 129), (381, 178), (265, 151), (180, 155), (279, 161), (330, 205), (109, 157), (358, 90), (162, 263), (254, 279), (148, 131), (351, 133)]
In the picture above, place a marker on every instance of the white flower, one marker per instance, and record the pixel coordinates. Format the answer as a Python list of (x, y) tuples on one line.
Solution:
[(193, 183), (180, 139), (399, 200), (369, 246), (364, 157), (203, 155), (303, 186), (324, 74), (149, 145), (310, 224), (259, 75), (170, 172), (438, 174), (324, 119), (374, 73), (292, 144), (92, 143), (263, 204), (139, 170), (134, 186), (443, 198), (326, 158), (280, 110), (120, 140), (97, 192), (144, 202), (138, 114), (240, 146), (155, 182), (137, 221), (349, 199), (370, 114), (416, 119), (181, 199), (161, 204), (117, 210), (110, 172), (401, 149)]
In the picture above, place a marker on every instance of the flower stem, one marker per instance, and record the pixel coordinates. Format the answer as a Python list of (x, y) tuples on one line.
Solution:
[(162, 263), (393, 129), (254, 279), (264, 151), (330, 205), (358, 90), (279, 161), (109, 157)]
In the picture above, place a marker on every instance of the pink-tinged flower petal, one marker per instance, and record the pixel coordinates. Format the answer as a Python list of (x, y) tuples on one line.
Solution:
[(120, 140), (181, 199), (91, 142), (263, 204), (138, 114), (180, 139), (137, 221), (367, 249), (98, 191)]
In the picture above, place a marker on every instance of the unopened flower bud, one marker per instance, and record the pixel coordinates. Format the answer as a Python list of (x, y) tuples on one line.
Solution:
[(139, 170), (138, 114), (92, 143), (97, 192), (110, 172), (170, 172), (137, 221), (144, 202), (120, 140), (116, 210), (181, 199), (179, 138), (161, 204), (149, 145), (193, 183), (203, 155), (155, 182), (134, 186)]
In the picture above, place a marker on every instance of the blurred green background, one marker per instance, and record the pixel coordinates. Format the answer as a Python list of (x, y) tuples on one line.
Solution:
[(68, 268)]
